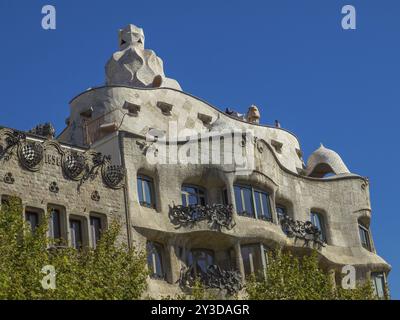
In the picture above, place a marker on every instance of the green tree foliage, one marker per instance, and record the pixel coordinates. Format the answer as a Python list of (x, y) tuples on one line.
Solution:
[(291, 278), (111, 271)]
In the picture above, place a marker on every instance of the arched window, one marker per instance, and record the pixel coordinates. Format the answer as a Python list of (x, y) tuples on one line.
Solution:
[(252, 202), (318, 221), (155, 260), (145, 188), (193, 195)]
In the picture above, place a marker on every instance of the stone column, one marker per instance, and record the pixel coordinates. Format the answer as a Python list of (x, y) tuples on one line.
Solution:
[(174, 265), (239, 259), (231, 194)]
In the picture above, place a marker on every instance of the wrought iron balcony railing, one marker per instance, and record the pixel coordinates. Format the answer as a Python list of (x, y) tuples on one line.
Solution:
[(213, 278), (302, 230), (218, 216)]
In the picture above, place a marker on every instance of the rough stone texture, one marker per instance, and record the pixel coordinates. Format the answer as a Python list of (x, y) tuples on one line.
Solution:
[(33, 189), (134, 65)]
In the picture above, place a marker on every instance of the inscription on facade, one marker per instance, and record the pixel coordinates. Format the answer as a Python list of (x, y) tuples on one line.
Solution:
[(53, 160)]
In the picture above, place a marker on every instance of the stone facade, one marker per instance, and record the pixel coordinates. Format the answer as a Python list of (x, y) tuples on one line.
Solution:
[(211, 218)]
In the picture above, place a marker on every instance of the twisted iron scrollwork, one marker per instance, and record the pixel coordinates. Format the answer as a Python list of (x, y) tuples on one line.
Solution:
[(13, 139), (302, 230), (213, 278), (217, 216), (113, 175)]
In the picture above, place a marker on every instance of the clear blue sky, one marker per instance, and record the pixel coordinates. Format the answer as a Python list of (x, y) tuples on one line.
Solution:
[(290, 58)]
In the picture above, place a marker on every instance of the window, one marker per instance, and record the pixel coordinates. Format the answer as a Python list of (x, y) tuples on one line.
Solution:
[(75, 227), (281, 211), (252, 203), (318, 221), (255, 259), (263, 208), (200, 260), (55, 224), (155, 260), (364, 237), (193, 195), (95, 230), (378, 283), (146, 191), (32, 218)]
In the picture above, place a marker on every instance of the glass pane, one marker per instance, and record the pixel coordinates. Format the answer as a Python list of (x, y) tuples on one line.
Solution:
[(154, 259), (33, 220), (184, 202), (258, 204), (248, 202), (378, 280), (281, 211), (55, 227), (95, 225), (76, 234), (140, 190), (202, 260), (266, 206), (252, 260), (193, 199), (147, 192), (238, 200), (364, 236), (316, 220)]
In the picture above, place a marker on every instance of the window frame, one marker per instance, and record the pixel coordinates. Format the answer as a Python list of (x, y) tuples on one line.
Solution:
[(62, 237), (29, 212), (365, 231), (321, 222), (141, 192), (197, 194), (158, 249), (253, 193), (103, 226), (263, 252), (374, 277), (76, 244)]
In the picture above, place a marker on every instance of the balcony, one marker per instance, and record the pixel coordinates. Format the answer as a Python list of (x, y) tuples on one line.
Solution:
[(305, 231), (218, 216), (213, 278)]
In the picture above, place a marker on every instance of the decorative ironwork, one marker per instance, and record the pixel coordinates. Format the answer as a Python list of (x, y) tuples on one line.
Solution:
[(217, 216), (44, 130), (54, 187), (8, 178), (30, 155), (113, 176), (13, 140), (213, 278), (95, 196), (74, 165), (98, 160), (302, 230)]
